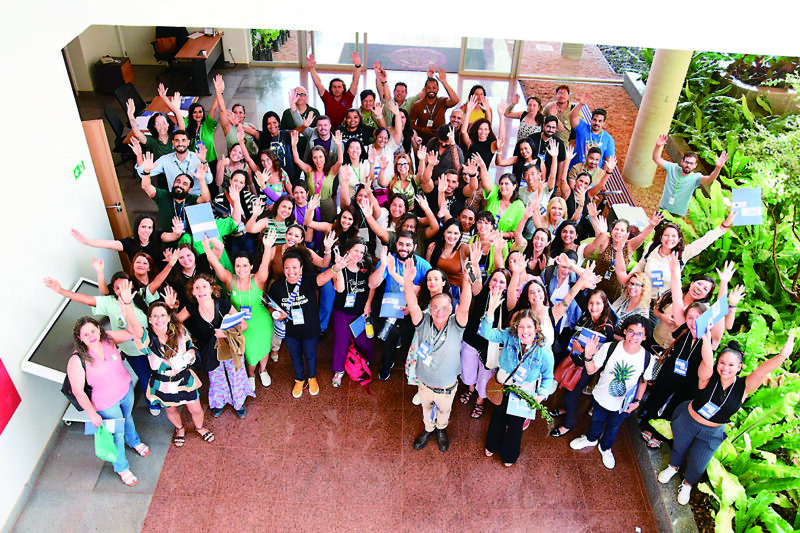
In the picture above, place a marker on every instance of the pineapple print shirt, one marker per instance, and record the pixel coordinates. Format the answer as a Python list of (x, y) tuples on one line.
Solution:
[(620, 373)]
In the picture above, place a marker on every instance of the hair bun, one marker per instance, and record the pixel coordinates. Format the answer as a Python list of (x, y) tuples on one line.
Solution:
[(734, 345)]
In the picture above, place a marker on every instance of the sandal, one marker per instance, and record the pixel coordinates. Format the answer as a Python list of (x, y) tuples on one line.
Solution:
[(466, 396), (142, 449), (207, 435), (650, 441), (477, 411), (128, 478), (179, 440)]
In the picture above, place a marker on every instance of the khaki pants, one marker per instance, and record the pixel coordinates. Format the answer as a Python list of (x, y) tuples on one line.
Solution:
[(443, 402)]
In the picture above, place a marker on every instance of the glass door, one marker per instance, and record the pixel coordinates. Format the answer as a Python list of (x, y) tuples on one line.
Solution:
[(333, 49), (488, 57), (284, 48)]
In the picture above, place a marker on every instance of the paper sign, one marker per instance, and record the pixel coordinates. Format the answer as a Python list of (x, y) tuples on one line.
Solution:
[(714, 314), (519, 407), (201, 221), (9, 397), (113, 425), (748, 202), (392, 303), (358, 326), (231, 320)]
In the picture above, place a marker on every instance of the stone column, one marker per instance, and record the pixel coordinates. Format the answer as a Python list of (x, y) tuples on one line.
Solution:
[(655, 114)]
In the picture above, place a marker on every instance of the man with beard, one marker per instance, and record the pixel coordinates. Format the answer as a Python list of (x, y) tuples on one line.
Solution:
[(320, 136), (682, 180), (427, 114), (403, 329), (588, 135), (173, 204), (541, 142), (337, 99), (561, 108), (288, 120), (181, 161)]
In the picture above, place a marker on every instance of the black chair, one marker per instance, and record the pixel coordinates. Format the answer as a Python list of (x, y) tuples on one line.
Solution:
[(123, 92), (118, 127), (169, 40)]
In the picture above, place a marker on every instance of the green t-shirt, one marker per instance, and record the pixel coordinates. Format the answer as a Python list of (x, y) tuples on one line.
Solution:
[(206, 135), (511, 217), (157, 148), (167, 208)]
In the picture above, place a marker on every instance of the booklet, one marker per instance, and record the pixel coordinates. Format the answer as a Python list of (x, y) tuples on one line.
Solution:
[(714, 314), (358, 326), (748, 202), (231, 320), (391, 305), (201, 221), (113, 425)]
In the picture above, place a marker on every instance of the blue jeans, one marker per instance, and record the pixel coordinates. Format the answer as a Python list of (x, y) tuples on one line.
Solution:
[(326, 295), (141, 366), (604, 422), (122, 409), (302, 351), (693, 440)]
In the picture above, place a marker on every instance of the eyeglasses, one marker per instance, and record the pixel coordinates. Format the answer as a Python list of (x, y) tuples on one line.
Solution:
[(635, 335), (402, 163), (440, 308), (635, 285), (301, 94)]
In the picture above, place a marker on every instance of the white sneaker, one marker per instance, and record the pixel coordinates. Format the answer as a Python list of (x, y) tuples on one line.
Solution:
[(683, 493), (608, 458), (415, 400), (155, 411), (252, 382), (337, 379), (266, 381), (665, 475), (581, 443)]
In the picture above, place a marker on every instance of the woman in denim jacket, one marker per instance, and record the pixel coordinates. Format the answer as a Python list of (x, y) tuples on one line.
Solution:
[(527, 362)]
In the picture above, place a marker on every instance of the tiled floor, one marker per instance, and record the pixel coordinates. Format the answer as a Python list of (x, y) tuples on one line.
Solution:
[(341, 461)]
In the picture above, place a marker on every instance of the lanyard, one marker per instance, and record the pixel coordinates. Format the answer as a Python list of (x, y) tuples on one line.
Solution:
[(249, 291), (677, 183), (347, 285), (428, 108), (179, 214), (730, 390), (438, 338), (317, 184), (294, 292), (356, 174)]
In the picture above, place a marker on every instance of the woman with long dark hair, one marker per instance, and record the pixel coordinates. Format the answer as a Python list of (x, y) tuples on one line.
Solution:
[(146, 239), (445, 252), (273, 138), (278, 217), (322, 180), (530, 120)]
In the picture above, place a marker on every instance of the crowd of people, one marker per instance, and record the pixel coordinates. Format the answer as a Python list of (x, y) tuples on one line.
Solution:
[(385, 217)]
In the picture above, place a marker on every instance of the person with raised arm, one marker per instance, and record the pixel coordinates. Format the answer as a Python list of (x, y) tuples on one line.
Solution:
[(147, 239), (97, 362), (590, 134), (699, 425), (427, 114), (530, 120), (309, 115), (682, 180), (399, 97), (478, 137), (159, 126), (526, 361), (436, 357), (320, 175), (337, 98), (246, 292), (561, 108)]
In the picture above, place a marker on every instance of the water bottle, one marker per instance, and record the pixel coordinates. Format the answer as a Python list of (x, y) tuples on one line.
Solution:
[(369, 329), (387, 328), (279, 326)]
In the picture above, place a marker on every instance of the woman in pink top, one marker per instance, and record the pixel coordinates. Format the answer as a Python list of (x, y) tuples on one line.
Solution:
[(97, 362)]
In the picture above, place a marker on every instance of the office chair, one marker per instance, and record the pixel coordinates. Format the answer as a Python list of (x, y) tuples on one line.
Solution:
[(123, 92), (118, 127), (169, 40)]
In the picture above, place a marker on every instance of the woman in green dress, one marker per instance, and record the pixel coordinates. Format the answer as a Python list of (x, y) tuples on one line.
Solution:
[(246, 290)]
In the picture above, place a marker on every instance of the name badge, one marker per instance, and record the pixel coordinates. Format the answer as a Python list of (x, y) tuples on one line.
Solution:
[(681, 366), (657, 278), (297, 316), (248, 312), (672, 201), (608, 274), (430, 123), (424, 353), (521, 373), (708, 410), (350, 300)]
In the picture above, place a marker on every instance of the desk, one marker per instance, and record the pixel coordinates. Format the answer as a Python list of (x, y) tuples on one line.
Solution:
[(201, 65)]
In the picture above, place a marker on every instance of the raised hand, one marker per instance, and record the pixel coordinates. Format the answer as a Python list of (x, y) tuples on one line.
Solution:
[(502, 107), (126, 291), (569, 150), (261, 180), (224, 161), (728, 271), (592, 210), (52, 284), (200, 172), (674, 263), (176, 100), (312, 63), (310, 120), (662, 140), (162, 91), (721, 160), (516, 263), (170, 297), (170, 256), (270, 238), (432, 158), (611, 164), (501, 142), (422, 202), (295, 136), (495, 299), (378, 109), (431, 70), (293, 97), (656, 218), (329, 240), (148, 163), (552, 149), (313, 204), (372, 155), (729, 221), (735, 296), (337, 139), (472, 103), (442, 75), (79, 236), (130, 107), (514, 100), (451, 136), (177, 225), (422, 153), (201, 152), (219, 85), (441, 183), (355, 58), (97, 265), (258, 207)]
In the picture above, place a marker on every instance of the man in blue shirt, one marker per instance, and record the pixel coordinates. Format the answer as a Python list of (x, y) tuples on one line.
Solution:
[(181, 161), (402, 330), (588, 135), (681, 179)]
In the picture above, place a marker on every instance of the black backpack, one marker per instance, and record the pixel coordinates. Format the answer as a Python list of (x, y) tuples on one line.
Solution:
[(66, 388)]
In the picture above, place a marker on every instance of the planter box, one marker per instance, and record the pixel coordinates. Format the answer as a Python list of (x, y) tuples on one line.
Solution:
[(781, 100)]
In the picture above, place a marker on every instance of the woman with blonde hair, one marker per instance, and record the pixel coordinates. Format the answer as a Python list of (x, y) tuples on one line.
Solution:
[(635, 300)]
